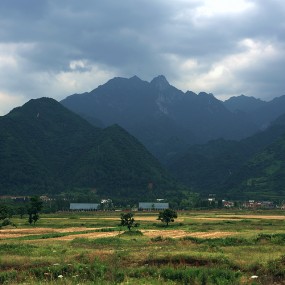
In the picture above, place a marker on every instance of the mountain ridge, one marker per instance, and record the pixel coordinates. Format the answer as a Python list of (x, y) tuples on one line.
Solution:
[(137, 105)]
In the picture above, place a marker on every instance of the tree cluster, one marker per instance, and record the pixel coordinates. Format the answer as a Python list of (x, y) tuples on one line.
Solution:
[(165, 216), (32, 208)]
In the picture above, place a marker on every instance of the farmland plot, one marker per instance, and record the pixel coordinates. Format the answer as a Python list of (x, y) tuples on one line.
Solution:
[(198, 248)]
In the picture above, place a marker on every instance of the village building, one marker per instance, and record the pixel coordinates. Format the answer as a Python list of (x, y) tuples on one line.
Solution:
[(149, 206), (228, 204), (15, 198), (84, 206), (252, 204)]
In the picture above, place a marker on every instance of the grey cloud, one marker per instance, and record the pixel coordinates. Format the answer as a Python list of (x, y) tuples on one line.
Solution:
[(137, 37)]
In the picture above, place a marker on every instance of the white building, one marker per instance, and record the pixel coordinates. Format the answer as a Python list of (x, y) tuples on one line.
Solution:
[(149, 206), (83, 206)]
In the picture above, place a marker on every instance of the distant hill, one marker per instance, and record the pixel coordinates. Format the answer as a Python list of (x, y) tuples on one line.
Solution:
[(259, 112), (165, 119), (269, 112), (263, 176), (232, 169), (45, 148), (243, 103)]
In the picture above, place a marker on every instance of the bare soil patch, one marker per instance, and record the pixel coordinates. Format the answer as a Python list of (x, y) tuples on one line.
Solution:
[(266, 217), (11, 233), (217, 219), (238, 217), (88, 235), (150, 234), (181, 234)]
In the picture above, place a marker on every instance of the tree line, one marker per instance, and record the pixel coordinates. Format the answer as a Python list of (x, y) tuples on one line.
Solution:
[(32, 209)]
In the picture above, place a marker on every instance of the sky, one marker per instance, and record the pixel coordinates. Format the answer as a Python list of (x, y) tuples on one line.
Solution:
[(55, 48)]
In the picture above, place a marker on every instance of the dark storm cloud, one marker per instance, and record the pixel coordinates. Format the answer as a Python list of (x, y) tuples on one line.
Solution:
[(55, 48)]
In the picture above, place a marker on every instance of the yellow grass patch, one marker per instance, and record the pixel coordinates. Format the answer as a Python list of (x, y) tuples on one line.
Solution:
[(272, 217), (12, 233)]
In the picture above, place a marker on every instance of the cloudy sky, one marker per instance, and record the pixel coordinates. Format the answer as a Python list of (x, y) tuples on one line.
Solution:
[(56, 48)]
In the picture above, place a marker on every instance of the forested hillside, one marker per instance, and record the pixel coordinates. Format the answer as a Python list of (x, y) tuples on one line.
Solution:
[(251, 168), (45, 148)]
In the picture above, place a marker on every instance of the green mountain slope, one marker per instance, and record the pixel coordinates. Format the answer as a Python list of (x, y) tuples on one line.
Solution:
[(263, 176), (45, 148), (225, 167)]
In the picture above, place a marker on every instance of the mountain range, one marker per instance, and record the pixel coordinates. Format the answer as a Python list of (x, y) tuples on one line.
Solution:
[(45, 148), (234, 149), (261, 113), (210, 145), (165, 119)]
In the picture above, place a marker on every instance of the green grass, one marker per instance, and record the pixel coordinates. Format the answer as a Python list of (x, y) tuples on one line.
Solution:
[(255, 248)]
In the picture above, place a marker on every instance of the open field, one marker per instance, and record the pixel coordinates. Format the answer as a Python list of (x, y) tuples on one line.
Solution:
[(220, 247)]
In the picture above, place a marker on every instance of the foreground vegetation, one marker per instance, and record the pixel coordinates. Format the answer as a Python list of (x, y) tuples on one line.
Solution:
[(91, 248)]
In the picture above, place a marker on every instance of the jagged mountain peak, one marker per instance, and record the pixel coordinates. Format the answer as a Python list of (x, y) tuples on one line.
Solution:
[(135, 78), (155, 112), (204, 94), (160, 82)]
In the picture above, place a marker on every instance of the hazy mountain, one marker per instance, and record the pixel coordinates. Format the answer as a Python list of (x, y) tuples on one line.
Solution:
[(263, 176), (269, 112), (45, 148), (165, 119), (259, 112), (244, 104), (224, 167)]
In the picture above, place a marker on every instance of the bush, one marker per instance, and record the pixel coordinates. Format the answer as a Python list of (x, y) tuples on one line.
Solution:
[(272, 238), (132, 233), (8, 276), (157, 239), (276, 268), (201, 276), (228, 241)]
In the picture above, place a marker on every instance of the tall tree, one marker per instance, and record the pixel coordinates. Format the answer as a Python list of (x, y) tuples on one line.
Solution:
[(34, 209), (5, 215), (127, 220), (167, 216)]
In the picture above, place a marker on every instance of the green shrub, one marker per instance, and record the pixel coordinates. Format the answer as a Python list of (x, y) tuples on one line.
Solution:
[(106, 230), (6, 277), (272, 238), (201, 276), (109, 241), (91, 271), (74, 218), (276, 268), (20, 249), (228, 241), (157, 239), (132, 233)]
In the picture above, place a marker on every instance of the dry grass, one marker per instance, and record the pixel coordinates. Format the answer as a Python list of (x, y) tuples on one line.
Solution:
[(12, 233)]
